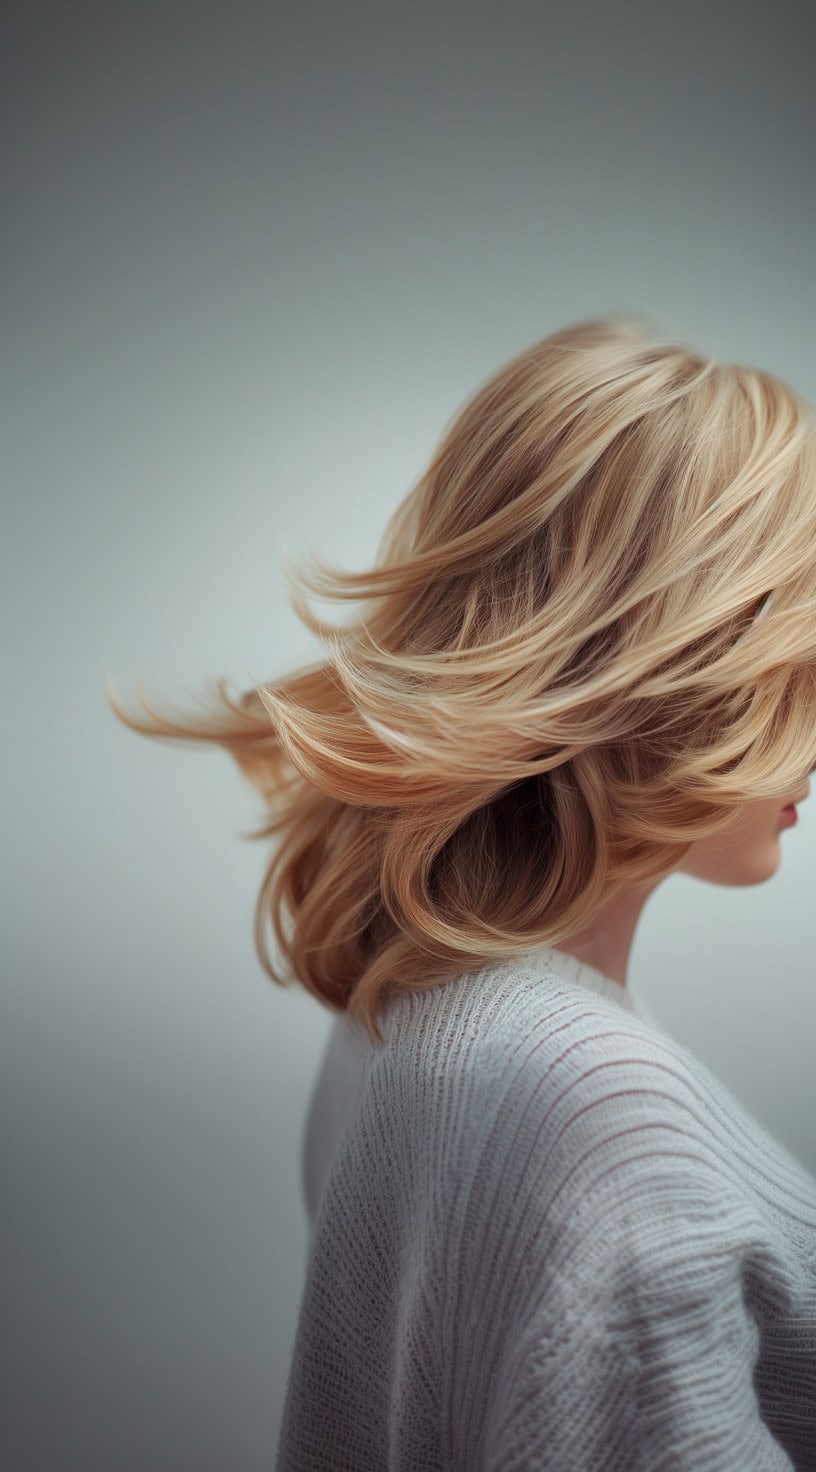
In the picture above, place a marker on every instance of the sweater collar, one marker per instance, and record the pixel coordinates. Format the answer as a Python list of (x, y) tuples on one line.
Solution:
[(569, 967)]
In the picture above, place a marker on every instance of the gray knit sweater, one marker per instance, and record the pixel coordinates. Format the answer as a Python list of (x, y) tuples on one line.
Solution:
[(543, 1235)]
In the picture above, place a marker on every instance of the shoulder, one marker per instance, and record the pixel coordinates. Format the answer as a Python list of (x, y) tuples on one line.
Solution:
[(535, 1090), (564, 1045), (572, 1142), (575, 1104)]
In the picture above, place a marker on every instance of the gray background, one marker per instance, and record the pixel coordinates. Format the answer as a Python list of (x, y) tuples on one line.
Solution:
[(256, 257)]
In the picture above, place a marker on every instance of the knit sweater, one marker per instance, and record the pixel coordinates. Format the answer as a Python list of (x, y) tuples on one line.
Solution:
[(543, 1235)]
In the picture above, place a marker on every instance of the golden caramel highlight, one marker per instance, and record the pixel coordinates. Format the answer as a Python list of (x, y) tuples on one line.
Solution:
[(558, 683)]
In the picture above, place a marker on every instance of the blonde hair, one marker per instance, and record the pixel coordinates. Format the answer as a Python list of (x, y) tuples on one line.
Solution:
[(557, 686)]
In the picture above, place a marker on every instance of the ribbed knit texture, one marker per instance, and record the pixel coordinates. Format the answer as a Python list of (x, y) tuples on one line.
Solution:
[(543, 1235)]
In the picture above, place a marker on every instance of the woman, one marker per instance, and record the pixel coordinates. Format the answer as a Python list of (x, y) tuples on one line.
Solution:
[(543, 1235)]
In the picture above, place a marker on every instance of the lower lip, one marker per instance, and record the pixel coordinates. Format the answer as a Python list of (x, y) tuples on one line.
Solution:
[(790, 814)]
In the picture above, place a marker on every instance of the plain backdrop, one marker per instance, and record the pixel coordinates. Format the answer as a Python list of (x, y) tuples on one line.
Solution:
[(256, 257)]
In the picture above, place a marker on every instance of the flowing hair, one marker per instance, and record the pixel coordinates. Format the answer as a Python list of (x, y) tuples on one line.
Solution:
[(559, 682)]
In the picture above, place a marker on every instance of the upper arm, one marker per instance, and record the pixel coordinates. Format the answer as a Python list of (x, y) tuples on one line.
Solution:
[(638, 1349)]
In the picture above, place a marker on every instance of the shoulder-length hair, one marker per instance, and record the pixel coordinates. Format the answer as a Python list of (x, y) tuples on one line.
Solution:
[(559, 682)]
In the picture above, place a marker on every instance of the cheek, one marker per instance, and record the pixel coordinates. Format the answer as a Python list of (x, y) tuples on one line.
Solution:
[(747, 855), (755, 825)]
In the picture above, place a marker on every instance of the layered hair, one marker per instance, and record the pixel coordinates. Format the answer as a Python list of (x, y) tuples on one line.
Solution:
[(558, 682)]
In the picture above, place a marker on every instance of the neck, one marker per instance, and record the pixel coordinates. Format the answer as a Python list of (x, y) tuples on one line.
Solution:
[(607, 942)]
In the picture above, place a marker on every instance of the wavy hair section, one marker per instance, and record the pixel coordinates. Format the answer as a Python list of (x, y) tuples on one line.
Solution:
[(559, 681)]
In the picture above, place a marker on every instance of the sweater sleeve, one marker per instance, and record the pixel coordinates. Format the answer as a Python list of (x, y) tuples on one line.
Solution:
[(637, 1347)]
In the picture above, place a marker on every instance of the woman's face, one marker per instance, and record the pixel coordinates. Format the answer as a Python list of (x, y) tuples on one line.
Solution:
[(749, 851)]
